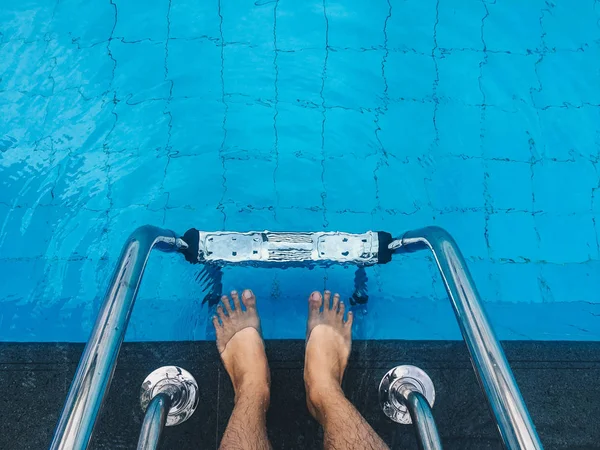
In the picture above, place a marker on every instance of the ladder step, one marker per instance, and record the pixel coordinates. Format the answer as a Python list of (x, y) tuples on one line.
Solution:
[(268, 247)]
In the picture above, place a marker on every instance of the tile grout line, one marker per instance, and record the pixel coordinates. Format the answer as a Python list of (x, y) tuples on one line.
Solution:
[(168, 113), (276, 111), (545, 291), (221, 205), (324, 116), (378, 112), (106, 144), (488, 208)]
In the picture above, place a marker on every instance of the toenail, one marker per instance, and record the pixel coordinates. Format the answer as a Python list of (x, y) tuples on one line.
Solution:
[(315, 296), (247, 294)]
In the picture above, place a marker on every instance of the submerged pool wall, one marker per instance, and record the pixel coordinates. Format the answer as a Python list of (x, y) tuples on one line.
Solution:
[(301, 116)]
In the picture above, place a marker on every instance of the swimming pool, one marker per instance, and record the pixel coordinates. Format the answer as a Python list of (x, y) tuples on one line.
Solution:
[(480, 117)]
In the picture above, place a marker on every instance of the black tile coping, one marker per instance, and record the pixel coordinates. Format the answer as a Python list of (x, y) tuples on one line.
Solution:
[(560, 382)]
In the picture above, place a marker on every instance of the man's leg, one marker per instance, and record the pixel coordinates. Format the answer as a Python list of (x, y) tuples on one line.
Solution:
[(243, 353), (328, 344)]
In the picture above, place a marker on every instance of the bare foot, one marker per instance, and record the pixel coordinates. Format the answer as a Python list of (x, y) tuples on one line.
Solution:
[(241, 346), (328, 342)]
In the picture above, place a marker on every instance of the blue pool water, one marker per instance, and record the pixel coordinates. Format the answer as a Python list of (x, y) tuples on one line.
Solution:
[(479, 116)]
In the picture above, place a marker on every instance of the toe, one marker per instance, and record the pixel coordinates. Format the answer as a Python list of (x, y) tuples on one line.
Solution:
[(350, 319), (249, 299), (226, 303), (221, 314), (326, 300), (336, 303), (216, 323), (342, 309), (236, 301), (314, 303)]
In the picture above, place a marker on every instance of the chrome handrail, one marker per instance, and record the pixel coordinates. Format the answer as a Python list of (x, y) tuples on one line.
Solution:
[(154, 422), (428, 437), (97, 364), (490, 364), (406, 395), (169, 397)]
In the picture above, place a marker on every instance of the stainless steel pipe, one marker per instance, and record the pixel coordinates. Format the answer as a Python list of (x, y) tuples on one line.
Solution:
[(492, 369), (154, 422), (96, 367), (406, 395), (169, 396), (418, 407)]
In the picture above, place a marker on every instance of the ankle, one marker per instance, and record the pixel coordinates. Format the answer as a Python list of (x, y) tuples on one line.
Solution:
[(255, 390), (318, 379), (255, 382), (320, 393)]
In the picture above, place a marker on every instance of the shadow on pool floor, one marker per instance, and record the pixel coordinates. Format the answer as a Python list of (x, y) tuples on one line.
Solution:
[(559, 381)]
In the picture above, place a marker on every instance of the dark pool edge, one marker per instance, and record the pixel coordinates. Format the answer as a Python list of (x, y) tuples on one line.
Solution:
[(517, 351), (36, 376)]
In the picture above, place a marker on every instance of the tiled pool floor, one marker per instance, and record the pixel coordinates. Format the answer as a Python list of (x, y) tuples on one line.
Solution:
[(482, 117)]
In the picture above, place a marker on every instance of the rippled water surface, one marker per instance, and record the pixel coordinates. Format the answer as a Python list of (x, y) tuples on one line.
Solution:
[(479, 116)]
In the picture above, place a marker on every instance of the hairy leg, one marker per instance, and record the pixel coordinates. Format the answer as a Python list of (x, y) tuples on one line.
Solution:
[(329, 339), (243, 354)]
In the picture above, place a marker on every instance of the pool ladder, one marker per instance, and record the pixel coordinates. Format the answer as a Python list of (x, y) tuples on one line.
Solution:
[(96, 367)]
